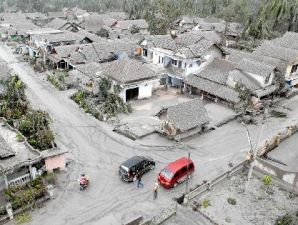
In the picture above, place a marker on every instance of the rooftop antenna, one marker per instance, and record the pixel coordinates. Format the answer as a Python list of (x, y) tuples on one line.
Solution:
[(254, 153)]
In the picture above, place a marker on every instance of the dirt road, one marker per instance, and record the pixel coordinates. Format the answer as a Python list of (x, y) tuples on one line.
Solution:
[(95, 150)]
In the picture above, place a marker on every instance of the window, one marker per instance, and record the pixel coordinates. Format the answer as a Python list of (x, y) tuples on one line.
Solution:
[(294, 68), (267, 79), (174, 62), (184, 169), (145, 52)]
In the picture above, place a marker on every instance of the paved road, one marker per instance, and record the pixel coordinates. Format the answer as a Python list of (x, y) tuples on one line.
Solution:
[(97, 151)]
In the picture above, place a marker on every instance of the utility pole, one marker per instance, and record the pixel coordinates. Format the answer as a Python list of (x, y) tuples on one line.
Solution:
[(255, 152), (187, 174)]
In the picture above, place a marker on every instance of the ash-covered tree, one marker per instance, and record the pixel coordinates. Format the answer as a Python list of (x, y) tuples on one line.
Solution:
[(14, 103)]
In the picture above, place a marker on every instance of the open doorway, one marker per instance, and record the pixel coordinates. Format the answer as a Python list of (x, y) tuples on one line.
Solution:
[(132, 94)]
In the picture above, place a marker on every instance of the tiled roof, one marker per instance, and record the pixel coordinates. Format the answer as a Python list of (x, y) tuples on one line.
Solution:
[(126, 24), (187, 115), (254, 67), (213, 88), (161, 41), (95, 22), (95, 52), (57, 23), (126, 71), (288, 40), (236, 56), (56, 14), (217, 71), (277, 52), (5, 150), (197, 49)]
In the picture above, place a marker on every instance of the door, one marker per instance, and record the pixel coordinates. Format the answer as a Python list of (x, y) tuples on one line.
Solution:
[(132, 94)]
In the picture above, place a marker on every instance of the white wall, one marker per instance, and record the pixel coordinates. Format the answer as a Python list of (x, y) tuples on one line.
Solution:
[(261, 79), (145, 90), (213, 53)]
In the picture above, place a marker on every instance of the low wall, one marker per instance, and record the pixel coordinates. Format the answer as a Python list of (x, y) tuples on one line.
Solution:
[(208, 185), (272, 143), (290, 178)]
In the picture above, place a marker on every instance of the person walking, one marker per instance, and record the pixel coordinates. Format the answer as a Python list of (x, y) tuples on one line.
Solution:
[(139, 181), (155, 190)]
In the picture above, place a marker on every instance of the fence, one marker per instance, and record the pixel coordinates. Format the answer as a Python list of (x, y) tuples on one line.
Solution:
[(208, 185), (20, 180)]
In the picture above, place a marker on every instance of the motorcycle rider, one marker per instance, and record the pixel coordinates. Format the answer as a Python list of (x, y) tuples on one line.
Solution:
[(84, 180)]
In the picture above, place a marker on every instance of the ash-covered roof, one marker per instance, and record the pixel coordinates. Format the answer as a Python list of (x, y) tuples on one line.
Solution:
[(89, 69), (127, 24), (197, 49), (5, 150), (118, 15), (160, 41), (217, 71), (288, 40), (96, 22), (242, 78), (254, 67), (57, 23), (236, 56), (234, 29), (274, 51), (64, 36), (35, 15), (95, 52), (59, 14), (126, 71), (216, 89), (91, 36), (187, 115)]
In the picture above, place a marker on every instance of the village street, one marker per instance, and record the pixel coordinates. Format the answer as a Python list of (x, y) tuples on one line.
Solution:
[(95, 150)]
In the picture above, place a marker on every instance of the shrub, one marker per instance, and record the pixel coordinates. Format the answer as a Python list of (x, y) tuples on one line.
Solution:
[(232, 201), (206, 203), (267, 180), (23, 218), (20, 196), (278, 114), (284, 220), (19, 137)]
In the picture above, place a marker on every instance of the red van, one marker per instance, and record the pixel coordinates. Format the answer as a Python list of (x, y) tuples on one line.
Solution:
[(176, 172)]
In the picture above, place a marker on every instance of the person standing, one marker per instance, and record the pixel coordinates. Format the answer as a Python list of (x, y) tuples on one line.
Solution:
[(139, 181), (155, 190)]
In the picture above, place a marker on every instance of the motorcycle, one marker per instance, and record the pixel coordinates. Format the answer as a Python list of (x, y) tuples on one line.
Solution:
[(84, 182)]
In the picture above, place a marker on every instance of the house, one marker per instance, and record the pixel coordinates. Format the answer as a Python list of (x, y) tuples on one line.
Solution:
[(210, 24), (187, 22), (233, 33), (20, 163), (15, 30), (131, 26), (289, 43), (262, 73), (136, 80), (211, 83), (84, 76), (289, 56), (184, 119), (178, 58), (106, 50)]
